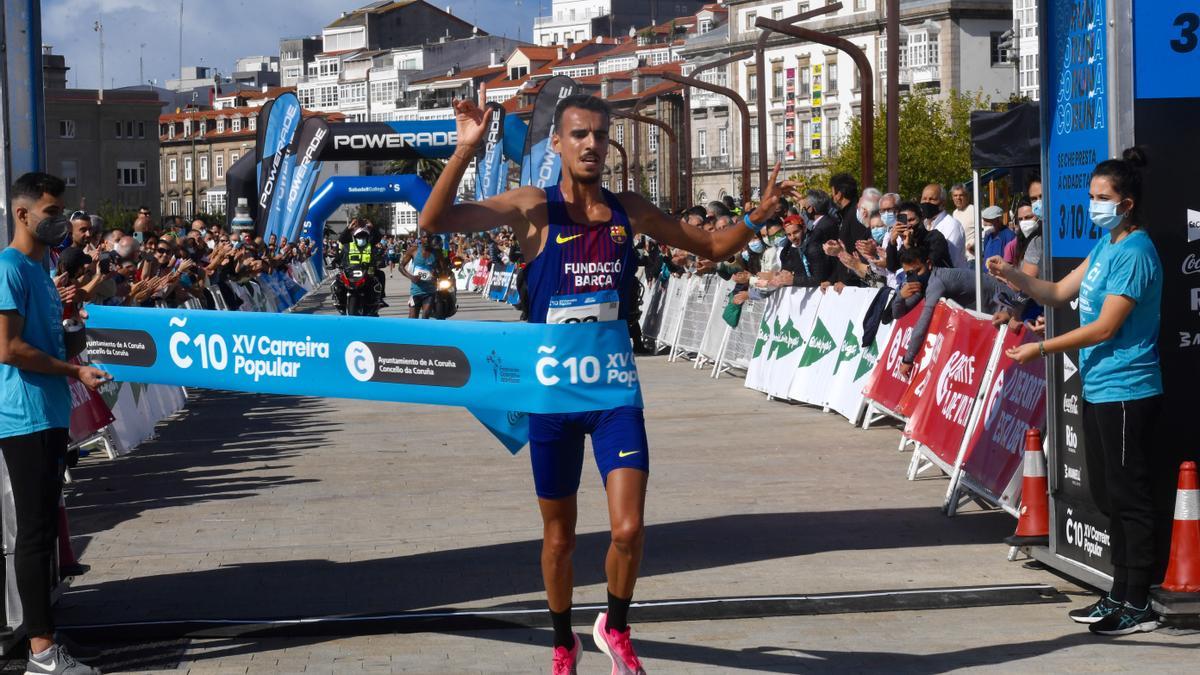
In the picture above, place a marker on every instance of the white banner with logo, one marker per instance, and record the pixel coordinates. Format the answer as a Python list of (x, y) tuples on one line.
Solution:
[(822, 352), (793, 326)]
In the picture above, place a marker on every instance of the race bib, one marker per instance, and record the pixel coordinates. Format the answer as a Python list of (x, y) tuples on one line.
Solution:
[(584, 307)]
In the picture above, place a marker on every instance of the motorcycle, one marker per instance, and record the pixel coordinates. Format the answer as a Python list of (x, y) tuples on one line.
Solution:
[(445, 300), (362, 297)]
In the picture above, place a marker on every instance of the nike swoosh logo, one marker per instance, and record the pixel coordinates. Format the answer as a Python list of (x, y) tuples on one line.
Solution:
[(562, 240), (50, 667), (625, 453)]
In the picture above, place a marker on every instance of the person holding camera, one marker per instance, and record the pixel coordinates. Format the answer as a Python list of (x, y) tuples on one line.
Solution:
[(1119, 287), (37, 339)]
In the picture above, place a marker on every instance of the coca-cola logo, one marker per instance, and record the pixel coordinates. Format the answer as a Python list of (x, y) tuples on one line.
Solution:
[(1191, 264)]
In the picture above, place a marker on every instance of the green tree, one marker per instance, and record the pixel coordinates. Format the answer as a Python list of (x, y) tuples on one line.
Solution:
[(379, 215), (935, 142), (116, 216), (428, 169)]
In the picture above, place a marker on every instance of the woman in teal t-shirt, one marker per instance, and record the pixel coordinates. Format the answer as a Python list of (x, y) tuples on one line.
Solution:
[(1119, 288)]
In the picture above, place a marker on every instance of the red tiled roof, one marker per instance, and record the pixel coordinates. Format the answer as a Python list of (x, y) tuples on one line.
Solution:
[(628, 95), (539, 53), (481, 71)]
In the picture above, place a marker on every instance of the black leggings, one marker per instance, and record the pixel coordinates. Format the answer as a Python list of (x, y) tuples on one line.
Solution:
[(1117, 447), (34, 465)]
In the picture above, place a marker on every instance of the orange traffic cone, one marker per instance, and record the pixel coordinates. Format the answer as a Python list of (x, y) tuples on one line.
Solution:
[(1033, 525), (1183, 569)]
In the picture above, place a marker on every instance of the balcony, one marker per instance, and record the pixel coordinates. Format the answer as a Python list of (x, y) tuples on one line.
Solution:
[(715, 163)]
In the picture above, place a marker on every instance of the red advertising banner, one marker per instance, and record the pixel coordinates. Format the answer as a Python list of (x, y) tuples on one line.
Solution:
[(925, 359), (89, 412), (1015, 402), (940, 417), (481, 273), (887, 386)]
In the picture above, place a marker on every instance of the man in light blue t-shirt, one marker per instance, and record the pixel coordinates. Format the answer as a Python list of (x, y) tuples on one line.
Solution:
[(37, 339)]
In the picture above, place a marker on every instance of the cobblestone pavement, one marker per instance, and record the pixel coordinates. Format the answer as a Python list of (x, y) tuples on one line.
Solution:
[(253, 507)]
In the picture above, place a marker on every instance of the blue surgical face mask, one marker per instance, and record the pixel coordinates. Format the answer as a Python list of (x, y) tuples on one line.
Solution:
[(756, 245), (889, 218), (779, 241), (1104, 214), (1037, 209), (877, 234), (746, 256)]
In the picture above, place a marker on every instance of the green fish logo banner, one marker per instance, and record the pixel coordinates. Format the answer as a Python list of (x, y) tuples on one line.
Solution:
[(850, 348), (870, 355), (787, 340), (819, 345), (764, 336)]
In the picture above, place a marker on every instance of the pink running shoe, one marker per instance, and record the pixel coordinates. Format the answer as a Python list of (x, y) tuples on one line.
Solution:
[(567, 660), (617, 647)]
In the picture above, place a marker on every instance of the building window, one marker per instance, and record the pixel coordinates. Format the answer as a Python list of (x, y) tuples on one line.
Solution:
[(723, 142), (831, 78), (220, 125), (173, 170), (630, 185), (66, 128), (654, 189), (834, 130), (518, 72), (70, 172), (171, 130), (750, 19), (203, 167), (802, 8), (620, 133), (999, 53), (187, 168), (118, 131), (779, 139), (776, 13), (252, 122), (653, 135), (777, 83), (129, 129), (203, 127), (218, 166), (174, 207), (752, 84), (131, 174), (805, 82), (237, 124), (860, 5), (702, 143), (233, 158), (384, 92)]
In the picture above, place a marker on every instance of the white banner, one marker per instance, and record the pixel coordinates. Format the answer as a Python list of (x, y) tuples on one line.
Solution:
[(815, 370), (137, 409), (757, 376), (854, 364), (797, 312)]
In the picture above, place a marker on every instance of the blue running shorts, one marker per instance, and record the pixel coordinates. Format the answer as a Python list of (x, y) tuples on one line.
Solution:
[(556, 447)]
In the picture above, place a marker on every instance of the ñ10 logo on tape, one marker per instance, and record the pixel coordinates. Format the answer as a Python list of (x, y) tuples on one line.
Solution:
[(619, 368)]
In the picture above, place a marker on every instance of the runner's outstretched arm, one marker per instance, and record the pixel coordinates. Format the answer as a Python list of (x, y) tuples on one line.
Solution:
[(509, 209), (648, 219)]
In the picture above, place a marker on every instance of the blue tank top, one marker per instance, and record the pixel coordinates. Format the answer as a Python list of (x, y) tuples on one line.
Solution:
[(585, 272), (422, 260)]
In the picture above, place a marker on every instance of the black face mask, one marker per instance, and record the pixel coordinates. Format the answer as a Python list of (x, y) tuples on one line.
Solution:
[(930, 211), (922, 279), (53, 230)]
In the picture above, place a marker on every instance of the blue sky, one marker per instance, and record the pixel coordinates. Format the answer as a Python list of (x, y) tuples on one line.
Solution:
[(216, 31)]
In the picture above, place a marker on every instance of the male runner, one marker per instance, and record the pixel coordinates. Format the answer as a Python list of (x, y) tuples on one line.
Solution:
[(426, 259), (581, 240)]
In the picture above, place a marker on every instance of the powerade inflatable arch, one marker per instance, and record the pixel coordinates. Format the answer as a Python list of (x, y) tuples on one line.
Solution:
[(422, 139)]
